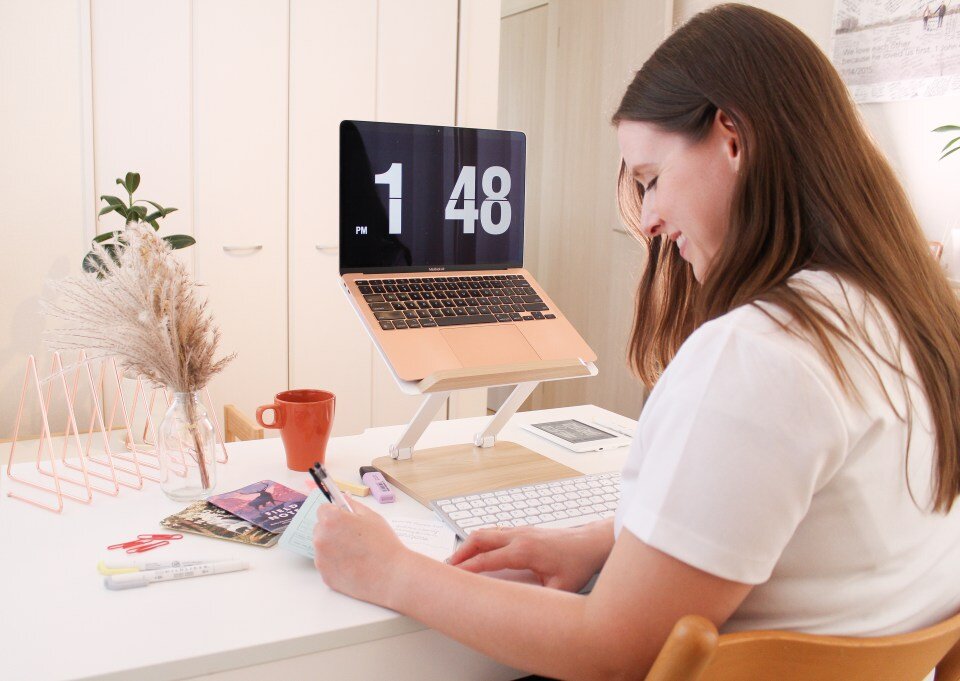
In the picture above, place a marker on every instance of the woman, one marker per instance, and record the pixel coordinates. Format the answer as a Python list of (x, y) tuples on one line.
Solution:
[(796, 464)]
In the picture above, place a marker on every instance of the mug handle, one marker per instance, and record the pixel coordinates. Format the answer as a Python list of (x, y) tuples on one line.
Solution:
[(277, 416)]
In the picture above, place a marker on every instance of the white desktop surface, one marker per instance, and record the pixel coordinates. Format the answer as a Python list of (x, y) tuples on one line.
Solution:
[(60, 623)]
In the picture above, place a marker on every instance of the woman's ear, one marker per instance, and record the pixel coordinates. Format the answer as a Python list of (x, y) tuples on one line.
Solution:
[(730, 137)]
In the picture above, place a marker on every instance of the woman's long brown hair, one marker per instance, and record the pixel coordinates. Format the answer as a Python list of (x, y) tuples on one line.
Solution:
[(813, 192)]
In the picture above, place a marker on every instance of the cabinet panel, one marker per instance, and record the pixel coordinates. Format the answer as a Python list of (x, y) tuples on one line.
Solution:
[(478, 59), (333, 72), (142, 96), (416, 62), (416, 83), (42, 136), (522, 88), (591, 52), (240, 157)]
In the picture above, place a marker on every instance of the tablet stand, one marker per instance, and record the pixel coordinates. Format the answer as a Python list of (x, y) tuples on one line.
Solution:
[(486, 463)]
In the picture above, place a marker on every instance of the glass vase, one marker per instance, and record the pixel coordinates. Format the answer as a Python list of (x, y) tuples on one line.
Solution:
[(187, 448)]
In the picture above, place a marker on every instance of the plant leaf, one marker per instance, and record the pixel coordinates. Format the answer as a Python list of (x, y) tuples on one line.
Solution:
[(131, 182), (180, 240), (112, 250), (957, 148), (948, 144), (92, 262), (152, 203), (139, 210), (124, 211), (112, 200), (104, 211), (152, 223), (100, 238), (946, 128), (167, 211)]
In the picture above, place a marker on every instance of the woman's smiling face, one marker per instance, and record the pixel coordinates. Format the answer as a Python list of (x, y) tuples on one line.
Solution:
[(688, 186)]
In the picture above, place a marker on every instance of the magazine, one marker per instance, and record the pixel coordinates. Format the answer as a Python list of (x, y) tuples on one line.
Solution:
[(266, 504), (208, 520)]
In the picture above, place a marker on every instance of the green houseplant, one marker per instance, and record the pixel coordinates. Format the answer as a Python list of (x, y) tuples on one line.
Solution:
[(132, 212), (953, 144)]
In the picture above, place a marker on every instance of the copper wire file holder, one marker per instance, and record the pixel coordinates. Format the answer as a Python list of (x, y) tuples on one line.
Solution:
[(486, 463), (101, 465)]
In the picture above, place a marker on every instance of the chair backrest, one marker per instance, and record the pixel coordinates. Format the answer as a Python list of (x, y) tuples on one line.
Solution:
[(236, 426), (694, 652)]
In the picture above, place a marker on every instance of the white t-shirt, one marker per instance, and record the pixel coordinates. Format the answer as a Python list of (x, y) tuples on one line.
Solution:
[(751, 463)]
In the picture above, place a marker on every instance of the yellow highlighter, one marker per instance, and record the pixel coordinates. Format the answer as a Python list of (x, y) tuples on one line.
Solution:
[(121, 566), (355, 490)]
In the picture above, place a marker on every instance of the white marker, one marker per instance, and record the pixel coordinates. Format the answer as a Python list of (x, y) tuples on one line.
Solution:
[(132, 580)]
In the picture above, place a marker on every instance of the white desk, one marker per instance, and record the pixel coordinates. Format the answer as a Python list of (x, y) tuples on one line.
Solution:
[(276, 620)]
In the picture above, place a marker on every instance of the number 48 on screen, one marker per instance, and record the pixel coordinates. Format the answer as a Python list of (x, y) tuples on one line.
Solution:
[(465, 189)]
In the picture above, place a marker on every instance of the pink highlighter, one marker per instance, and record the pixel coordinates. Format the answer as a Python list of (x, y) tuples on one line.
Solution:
[(373, 479)]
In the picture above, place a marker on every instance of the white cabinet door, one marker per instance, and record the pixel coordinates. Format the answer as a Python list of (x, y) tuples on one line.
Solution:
[(416, 83), (45, 155), (240, 161), (142, 105), (333, 72)]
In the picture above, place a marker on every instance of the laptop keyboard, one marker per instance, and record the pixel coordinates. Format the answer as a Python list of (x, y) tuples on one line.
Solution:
[(427, 302), (569, 502)]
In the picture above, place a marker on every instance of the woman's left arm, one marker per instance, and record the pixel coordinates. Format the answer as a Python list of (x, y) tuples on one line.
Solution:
[(614, 632)]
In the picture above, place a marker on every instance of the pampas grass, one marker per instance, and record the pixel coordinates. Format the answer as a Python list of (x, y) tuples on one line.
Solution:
[(142, 309)]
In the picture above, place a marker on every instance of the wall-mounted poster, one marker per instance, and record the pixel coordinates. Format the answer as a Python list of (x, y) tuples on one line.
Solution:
[(897, 49)]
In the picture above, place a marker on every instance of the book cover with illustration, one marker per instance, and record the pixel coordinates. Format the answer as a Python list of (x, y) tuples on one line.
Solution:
[(266, 504), (208, 520)]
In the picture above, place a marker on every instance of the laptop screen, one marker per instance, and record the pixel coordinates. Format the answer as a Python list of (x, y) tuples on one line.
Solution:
[(417, 198)]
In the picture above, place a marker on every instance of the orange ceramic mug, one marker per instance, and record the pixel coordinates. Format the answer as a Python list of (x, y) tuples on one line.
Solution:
[(305, 418)]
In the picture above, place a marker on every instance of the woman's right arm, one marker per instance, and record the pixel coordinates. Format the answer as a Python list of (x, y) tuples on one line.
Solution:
[(561, 558)]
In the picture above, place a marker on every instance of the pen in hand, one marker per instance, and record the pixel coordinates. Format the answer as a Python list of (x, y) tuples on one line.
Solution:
[(329, 487)]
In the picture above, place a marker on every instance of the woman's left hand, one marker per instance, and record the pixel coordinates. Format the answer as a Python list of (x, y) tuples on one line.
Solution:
[(356, 553)]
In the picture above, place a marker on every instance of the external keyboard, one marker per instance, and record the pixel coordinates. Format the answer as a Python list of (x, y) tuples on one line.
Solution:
[(561, 503), (425, 302)]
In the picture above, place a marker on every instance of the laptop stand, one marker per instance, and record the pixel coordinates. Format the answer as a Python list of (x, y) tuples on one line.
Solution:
[(486, 463)]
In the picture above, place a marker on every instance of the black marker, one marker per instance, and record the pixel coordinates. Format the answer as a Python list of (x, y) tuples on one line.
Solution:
[(329, 489), (319, 480)]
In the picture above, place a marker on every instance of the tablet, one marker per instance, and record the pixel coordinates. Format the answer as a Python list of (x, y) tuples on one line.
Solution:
[(577, 435)]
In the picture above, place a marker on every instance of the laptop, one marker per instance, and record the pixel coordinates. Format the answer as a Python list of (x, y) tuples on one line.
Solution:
[(431, 249)]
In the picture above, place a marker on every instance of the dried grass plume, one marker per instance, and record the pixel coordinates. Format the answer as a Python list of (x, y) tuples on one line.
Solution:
[(144, 310)]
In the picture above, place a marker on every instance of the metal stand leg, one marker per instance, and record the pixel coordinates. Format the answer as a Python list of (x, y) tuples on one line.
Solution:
[(488, 437), (404, 448)]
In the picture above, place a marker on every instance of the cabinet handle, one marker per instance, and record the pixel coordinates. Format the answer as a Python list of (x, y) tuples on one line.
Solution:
[(230, 249), (328, 249)]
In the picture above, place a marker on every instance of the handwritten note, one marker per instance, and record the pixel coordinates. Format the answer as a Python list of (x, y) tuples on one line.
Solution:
[(429, 537)]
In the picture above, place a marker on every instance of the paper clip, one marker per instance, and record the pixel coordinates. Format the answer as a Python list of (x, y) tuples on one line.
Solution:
[(159, 536), (147, 546), (145, 542)]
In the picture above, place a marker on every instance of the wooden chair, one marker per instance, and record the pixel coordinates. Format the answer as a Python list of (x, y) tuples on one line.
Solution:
[(695, 652), (237, 426)]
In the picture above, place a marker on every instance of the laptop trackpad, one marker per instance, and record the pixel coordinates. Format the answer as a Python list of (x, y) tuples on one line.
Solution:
[(484, 345)]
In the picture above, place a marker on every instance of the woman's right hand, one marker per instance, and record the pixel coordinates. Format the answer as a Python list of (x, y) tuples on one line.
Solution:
[(562, 558)]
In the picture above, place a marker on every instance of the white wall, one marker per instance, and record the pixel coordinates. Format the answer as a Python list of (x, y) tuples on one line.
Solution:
[(902, 129)]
